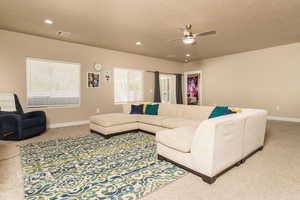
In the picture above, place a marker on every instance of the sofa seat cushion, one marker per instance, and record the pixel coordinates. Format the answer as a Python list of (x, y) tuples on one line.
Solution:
[(176, 122), (179, 139), (113, 119), (155, 120)]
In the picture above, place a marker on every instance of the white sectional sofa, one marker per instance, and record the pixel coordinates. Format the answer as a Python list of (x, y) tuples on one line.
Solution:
[(169, 116), (186, 137)]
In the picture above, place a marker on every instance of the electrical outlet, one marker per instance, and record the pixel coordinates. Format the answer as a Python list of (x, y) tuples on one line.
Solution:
[(277, 108), (97, 110)]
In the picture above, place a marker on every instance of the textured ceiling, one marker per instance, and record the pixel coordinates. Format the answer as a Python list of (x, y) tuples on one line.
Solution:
[(118, 24)]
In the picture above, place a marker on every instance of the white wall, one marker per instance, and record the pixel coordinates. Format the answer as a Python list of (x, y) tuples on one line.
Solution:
[(15, 47), (264, 78)]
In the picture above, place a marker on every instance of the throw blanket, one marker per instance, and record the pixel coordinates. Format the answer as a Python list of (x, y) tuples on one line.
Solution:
[(7, 102)]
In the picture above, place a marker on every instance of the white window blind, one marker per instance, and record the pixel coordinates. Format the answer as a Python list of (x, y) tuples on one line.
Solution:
[(52, 83), (128, 85)]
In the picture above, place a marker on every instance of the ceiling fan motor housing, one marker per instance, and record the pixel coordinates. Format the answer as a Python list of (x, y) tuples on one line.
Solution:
[(188, 26)]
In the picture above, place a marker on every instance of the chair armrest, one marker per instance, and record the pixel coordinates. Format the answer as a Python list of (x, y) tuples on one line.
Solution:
[(6, 118), (217, 144), (10, 123), (40, 114)]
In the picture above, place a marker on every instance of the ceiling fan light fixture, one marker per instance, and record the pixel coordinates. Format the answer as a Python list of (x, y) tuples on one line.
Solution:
[(48, 21), (188, 40)]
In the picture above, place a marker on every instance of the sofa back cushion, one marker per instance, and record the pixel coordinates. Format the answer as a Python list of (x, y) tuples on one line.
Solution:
[(193, 112), (170, 110), (196, 112)]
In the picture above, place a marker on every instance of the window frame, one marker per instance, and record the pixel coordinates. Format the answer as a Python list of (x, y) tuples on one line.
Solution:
[(28, 83), (143, 80)]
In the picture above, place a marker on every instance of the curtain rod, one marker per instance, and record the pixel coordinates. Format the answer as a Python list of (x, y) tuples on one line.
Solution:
[(164, 72)]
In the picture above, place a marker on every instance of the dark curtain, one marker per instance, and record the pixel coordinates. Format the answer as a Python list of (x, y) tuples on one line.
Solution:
[(179, 89), (156, 88)]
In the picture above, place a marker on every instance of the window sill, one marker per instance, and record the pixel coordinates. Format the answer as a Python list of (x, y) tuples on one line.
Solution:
[(54, 106)]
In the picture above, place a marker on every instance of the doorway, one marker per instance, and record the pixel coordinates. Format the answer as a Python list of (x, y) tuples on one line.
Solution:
[(168, 88)]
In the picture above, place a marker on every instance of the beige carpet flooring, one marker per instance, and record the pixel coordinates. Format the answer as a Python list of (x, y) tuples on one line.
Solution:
[(272, 174)]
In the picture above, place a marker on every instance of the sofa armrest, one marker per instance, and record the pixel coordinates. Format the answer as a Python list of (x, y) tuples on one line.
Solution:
[(126, 108), (255, 130), (217, 144)]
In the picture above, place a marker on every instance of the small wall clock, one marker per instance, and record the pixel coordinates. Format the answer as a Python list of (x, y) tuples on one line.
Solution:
[(98, 67)]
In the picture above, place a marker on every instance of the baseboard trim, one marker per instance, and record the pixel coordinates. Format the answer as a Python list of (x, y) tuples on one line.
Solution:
[(287, 119), (65, 124)]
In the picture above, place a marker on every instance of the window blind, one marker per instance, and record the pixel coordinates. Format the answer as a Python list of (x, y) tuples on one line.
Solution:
[(52, 83), (128, 85)]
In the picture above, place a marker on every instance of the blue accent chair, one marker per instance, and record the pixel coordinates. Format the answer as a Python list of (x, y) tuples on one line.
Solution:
[(19, 125)]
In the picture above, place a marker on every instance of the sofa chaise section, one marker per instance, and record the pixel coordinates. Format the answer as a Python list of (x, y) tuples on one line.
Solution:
[(111, 124)]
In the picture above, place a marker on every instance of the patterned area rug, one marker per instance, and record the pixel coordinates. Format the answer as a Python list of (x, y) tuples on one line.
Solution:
[(90, 167)]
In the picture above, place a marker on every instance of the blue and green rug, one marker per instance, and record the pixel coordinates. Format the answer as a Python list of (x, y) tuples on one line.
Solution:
[(90, 167)]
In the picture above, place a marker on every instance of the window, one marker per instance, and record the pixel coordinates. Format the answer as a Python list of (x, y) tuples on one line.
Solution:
[(128, 85), (52, 83), (167, 88)]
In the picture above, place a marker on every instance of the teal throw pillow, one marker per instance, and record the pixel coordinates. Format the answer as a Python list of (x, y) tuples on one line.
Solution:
[(219, 111), (152, 109)]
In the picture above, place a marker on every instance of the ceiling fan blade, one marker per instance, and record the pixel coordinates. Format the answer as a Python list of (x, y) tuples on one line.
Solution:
[(173, 40), (205, 33)]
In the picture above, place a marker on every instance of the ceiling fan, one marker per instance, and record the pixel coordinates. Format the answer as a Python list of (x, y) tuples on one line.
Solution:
[(189, 37)]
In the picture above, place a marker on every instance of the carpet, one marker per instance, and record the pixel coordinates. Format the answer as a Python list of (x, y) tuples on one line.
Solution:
[(90, 167)]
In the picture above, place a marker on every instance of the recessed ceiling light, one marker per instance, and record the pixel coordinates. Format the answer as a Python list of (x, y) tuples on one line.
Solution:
[(138, 43), (188, 55), (48, 21)]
